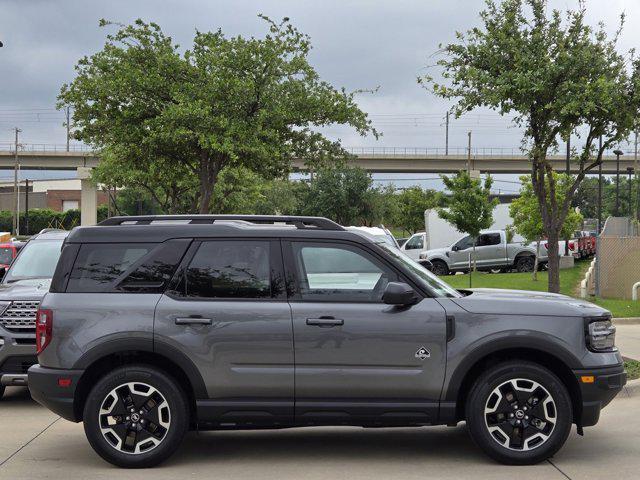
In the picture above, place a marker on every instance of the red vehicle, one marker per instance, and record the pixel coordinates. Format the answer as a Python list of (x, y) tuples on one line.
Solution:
[(8, 251)]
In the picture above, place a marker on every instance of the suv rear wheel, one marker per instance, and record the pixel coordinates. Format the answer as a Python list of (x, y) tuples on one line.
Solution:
[(519, 413), (525, 264), (136, 416)]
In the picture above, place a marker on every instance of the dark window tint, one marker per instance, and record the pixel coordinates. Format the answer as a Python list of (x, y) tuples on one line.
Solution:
[(466, 242), (99, 265), (415, 242), (229, 269), (156, 269), (6, 255), (339, 273), (488, 239)]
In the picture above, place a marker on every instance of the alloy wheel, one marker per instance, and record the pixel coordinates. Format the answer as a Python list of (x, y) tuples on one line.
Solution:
[(520, 414), (134, 418)]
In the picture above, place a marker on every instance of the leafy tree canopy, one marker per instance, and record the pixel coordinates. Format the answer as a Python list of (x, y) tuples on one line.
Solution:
[(412, 203), (556, 75), (170, 121)]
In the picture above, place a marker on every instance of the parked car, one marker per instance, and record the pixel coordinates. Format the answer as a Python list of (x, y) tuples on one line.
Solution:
[(21, 290), (586, 243), (414, 245), (151, 329), (8, 251), (491, 252), (381, 233)]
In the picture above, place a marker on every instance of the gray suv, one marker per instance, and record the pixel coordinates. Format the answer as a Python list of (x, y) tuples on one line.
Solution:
[(157, 325), (23, 286)]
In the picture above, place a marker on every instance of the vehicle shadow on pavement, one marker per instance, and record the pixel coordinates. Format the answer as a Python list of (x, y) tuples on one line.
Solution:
[(335, 443)]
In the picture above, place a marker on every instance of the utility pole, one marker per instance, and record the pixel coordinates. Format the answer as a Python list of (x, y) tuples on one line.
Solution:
[(26, 206), (600, 188), (635, 168), (446, 144), (469, 155), (68, 128), (16, 222), (617, 154)]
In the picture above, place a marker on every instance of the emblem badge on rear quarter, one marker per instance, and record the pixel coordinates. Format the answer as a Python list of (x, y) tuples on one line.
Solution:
[(422, 353)]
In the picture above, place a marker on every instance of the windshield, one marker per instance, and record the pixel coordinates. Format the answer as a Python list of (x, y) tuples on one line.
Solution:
[(38, 259), (426, 278)]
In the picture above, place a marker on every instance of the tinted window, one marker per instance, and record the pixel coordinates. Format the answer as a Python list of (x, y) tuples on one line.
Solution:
[(339, 273), (229, 269), (488, 239), (466, 242), (6, 255), (99, 265), (154, 271), (415, 242)]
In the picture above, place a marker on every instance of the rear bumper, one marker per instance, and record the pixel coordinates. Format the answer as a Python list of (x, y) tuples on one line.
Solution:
[(45, 389), (597, 395)]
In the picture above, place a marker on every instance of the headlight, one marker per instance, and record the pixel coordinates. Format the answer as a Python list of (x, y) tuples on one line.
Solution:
[(601, 335)]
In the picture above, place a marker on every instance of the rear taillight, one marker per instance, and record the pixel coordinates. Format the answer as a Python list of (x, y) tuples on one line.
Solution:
[(44, 329), (572, 246)]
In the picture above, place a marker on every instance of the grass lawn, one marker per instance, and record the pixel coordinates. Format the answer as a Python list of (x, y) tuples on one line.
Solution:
[(633, 369), (569, 285)]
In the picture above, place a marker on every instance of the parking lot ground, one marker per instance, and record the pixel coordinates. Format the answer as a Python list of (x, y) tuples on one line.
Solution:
[(34, 445), (628, 340)]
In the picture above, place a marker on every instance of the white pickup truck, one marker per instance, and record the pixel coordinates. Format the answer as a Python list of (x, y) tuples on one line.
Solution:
[(492, 253)]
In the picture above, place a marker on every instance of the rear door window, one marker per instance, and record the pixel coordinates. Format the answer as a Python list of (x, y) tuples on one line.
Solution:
[(229, 269)]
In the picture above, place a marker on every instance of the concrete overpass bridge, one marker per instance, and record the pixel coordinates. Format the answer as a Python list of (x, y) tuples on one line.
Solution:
[(372, 159)]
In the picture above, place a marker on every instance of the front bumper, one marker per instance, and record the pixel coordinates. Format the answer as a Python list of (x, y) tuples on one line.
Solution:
[(595, 396), (17, 354), (46, 390)]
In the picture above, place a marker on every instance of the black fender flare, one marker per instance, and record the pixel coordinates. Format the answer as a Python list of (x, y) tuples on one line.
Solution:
[(146, 345), (510, 340)]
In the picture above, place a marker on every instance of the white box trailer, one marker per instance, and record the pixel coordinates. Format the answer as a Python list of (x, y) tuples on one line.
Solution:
[(440, 233)]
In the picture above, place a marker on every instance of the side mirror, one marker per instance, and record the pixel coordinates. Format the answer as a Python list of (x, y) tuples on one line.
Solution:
[(455, 248), (3, 271), (397, 293)]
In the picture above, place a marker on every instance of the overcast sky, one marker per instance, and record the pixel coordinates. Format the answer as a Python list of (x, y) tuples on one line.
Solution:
[(357, 44)]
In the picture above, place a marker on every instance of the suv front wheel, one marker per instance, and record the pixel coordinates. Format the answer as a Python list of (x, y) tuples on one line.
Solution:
[(136, 416), (519, 413)]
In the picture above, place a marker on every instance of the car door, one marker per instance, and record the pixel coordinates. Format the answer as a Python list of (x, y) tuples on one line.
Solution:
[(414, 246), (490, 250), (226, 312), (358, 360), (459, 253)]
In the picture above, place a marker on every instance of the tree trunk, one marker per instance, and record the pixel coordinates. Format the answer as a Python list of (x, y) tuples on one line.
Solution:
[(208, 175), (535, 263), (554, 261)]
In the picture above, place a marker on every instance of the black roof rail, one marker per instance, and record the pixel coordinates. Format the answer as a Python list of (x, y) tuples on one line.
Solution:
[(300, 222)]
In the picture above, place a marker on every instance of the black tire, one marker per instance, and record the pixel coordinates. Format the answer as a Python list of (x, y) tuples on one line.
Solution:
[(440, 268), (1, 392), (538, 442), (525, 264), (170, 409)]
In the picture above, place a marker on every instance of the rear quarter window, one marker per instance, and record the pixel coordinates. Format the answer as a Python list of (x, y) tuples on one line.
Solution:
[(125, 267)]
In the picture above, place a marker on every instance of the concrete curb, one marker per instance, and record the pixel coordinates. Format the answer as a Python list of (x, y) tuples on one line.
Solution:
[(632, 388), (627, 321)]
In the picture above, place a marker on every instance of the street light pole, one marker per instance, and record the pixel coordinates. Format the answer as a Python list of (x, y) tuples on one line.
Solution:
[(618, 153), (629, 173), (446, 141), (566, 240), (600, 187), (16, 222)]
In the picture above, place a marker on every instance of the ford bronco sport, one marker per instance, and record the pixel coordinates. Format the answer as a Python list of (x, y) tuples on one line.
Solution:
[(157, 325)]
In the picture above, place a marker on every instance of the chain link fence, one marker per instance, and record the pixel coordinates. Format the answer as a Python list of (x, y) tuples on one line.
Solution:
[(618, 258)]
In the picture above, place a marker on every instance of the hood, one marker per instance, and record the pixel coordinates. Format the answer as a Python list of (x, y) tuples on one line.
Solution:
[(28, 289), (437, 252), (525, 302)]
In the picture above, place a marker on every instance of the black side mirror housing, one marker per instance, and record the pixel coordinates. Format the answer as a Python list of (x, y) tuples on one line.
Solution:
[(455, 248), (3, 272), (398, 293)]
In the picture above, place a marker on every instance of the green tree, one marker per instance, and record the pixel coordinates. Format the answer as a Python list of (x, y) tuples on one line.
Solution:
[(170, 122), (412, 202), (468, 207), (527, 220), (344, 194), (555, 74)]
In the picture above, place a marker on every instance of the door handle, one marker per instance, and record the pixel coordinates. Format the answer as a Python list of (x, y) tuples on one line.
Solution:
[(194, 320), (325, 322)]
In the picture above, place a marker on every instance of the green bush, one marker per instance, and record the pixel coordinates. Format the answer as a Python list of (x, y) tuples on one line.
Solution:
[(40, 218)]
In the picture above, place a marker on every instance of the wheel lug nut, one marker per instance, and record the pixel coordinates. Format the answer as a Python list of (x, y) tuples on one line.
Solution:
[(526, 417), (134, 425), (128, 418), (518, 422)]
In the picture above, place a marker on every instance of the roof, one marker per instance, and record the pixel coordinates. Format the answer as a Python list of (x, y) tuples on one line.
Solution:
[(50, 234), (156, 229)]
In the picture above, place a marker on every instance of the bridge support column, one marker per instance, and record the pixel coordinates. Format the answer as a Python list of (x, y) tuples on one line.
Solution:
[(88, 197)]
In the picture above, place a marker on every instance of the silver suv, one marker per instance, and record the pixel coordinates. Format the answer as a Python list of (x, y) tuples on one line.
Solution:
[(21, 290), (157, 325)]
